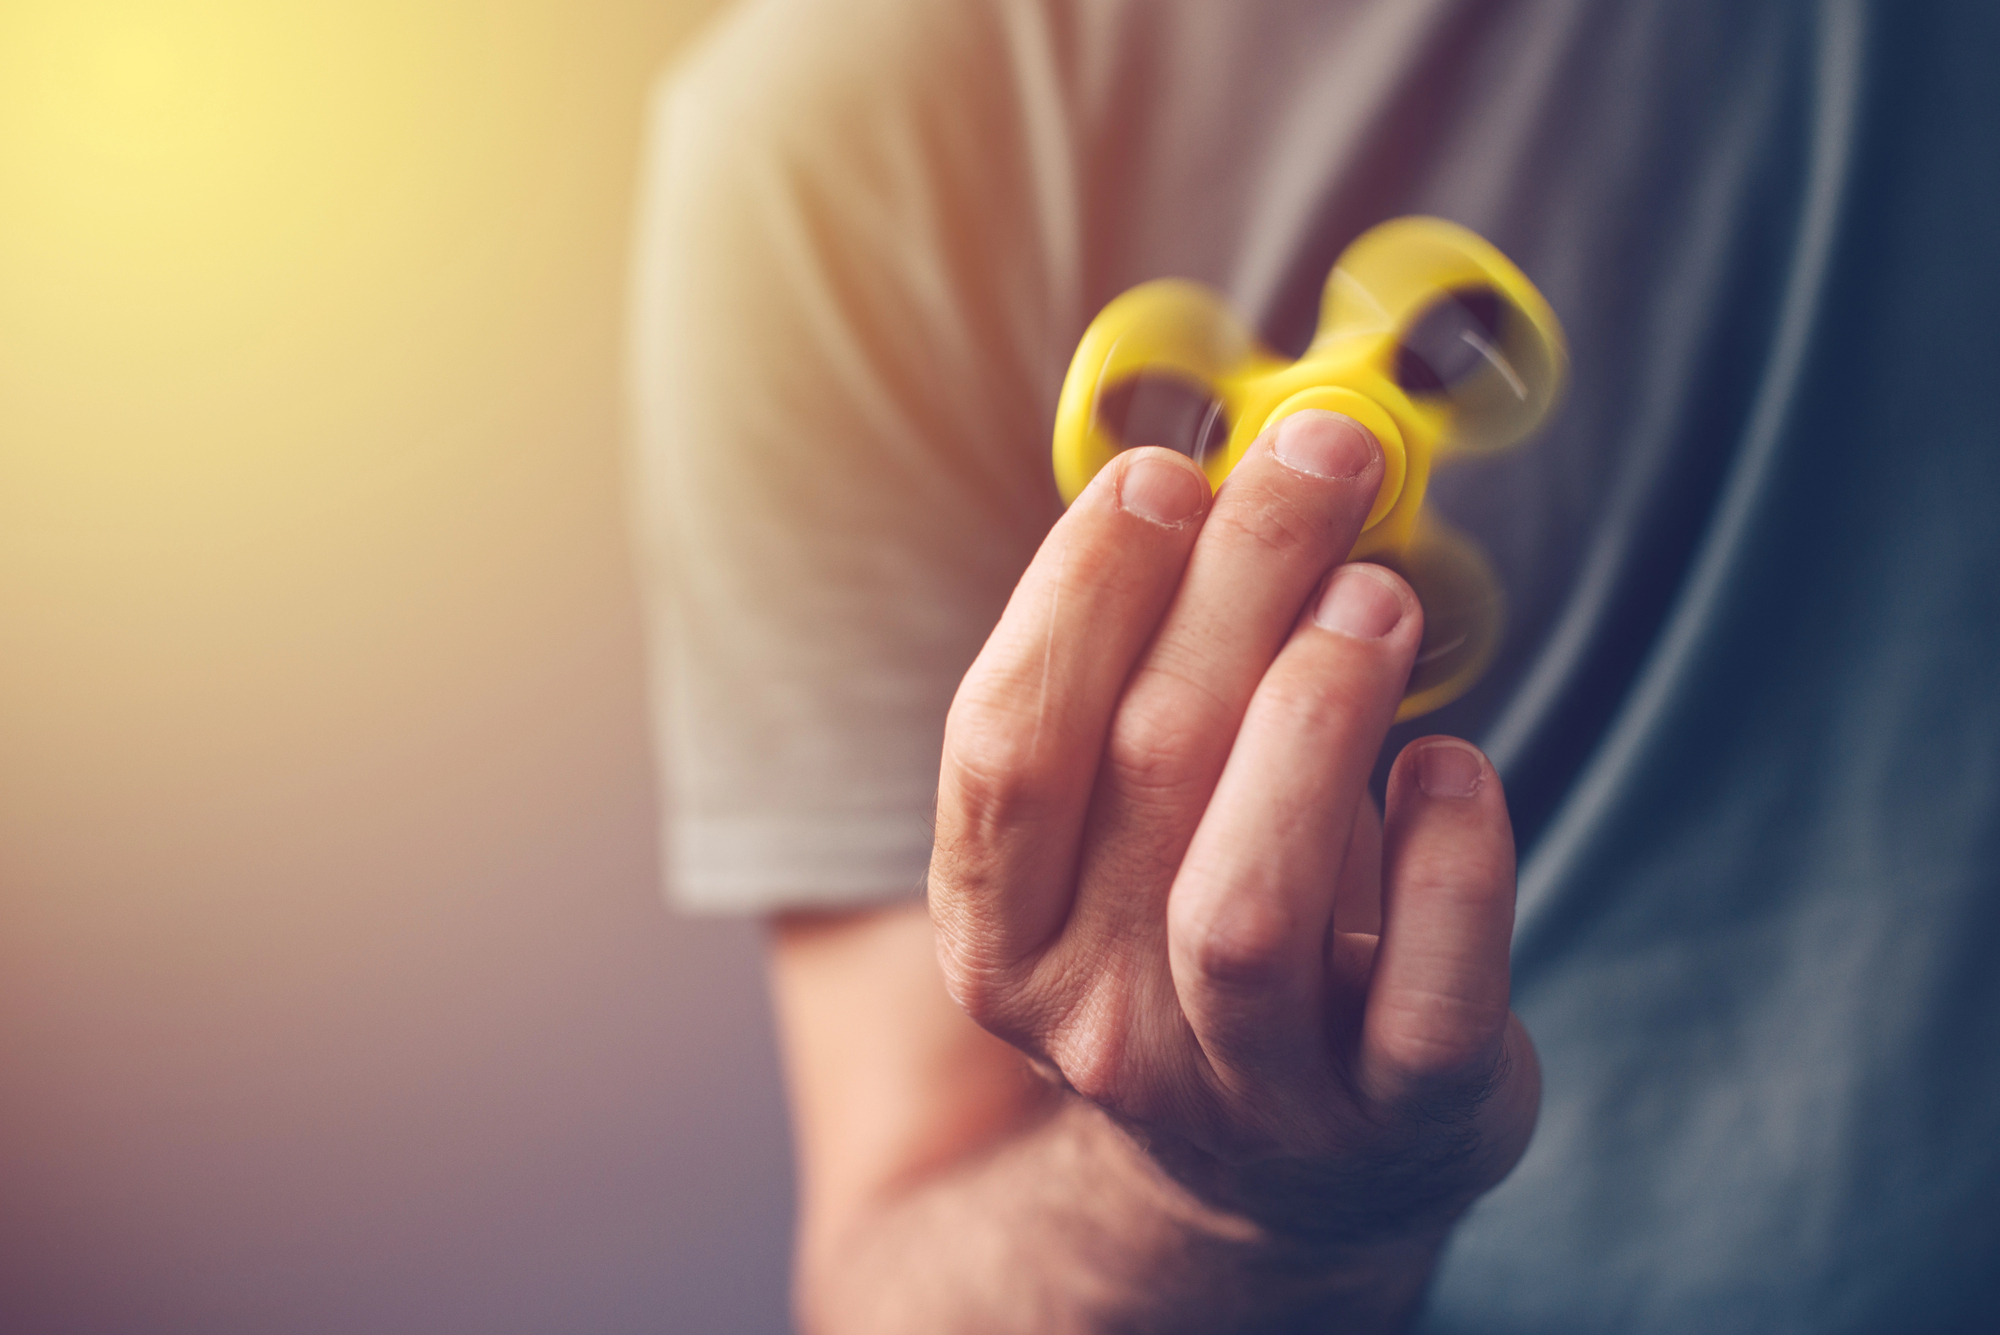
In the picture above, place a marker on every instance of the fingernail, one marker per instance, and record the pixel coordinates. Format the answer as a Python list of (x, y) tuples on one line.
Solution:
[(1160, 491), (1358, 604), (1445, 769), (1324, 444)]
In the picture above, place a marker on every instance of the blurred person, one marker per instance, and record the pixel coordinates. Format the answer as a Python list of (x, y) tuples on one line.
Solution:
[(1188, 1034)]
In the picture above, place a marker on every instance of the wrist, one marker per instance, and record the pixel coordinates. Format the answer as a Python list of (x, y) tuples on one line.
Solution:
[(1278, 1248)]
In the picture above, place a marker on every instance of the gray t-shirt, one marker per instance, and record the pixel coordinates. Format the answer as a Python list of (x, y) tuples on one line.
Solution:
[(1748, 710)]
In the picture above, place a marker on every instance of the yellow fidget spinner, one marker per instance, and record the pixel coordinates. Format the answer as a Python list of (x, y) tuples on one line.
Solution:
[(1428, 336)]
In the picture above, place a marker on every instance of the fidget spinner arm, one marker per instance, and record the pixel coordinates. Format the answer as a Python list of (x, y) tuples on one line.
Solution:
[(1428, 336)]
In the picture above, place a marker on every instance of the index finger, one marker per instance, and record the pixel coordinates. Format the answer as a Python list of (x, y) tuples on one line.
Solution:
[(1027, 726)]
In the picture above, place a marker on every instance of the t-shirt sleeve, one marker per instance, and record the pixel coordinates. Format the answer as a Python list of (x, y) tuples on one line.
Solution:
[(852, 308)]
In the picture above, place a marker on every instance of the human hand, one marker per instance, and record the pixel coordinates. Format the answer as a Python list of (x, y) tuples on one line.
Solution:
[(1159, 872)]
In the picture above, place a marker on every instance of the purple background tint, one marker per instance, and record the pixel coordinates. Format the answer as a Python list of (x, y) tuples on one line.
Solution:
[(336, 993)]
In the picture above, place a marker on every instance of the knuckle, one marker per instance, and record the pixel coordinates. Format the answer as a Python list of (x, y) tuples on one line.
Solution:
[(1302, 702), (1247, 942), (993, 777), (1161, 737), (1086, 1033), (1428, 1039)]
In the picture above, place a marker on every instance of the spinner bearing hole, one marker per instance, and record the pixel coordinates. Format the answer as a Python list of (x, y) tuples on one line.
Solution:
[(1460, 335), (1462, 612), (1162, 408)]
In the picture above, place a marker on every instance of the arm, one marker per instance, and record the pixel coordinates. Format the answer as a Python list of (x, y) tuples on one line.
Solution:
[(1158, 878)]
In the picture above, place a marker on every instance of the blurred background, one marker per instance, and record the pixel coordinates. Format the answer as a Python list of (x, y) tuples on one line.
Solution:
[(336, 992)]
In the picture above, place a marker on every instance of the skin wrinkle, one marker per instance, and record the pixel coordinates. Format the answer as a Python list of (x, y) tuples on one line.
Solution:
[(1427, 1004), (1135, 756), (1276, 523), (1000, 995)]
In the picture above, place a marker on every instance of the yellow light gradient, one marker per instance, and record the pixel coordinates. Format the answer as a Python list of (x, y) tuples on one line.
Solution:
[(198, 151), (263, 271), (211, 191), (335, 992)]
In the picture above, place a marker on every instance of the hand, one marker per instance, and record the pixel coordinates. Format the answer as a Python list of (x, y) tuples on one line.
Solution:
[(1158, 870)]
